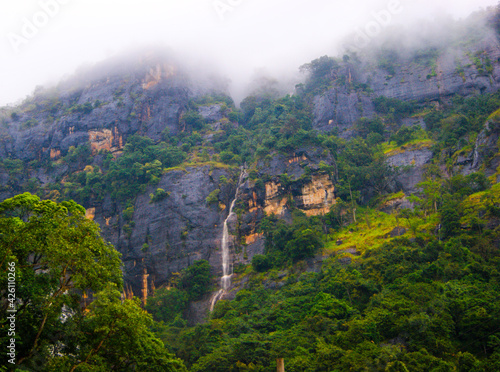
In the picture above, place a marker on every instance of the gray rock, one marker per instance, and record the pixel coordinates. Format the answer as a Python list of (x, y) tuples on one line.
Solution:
[(410, 164), (340, 107), (211, 113)]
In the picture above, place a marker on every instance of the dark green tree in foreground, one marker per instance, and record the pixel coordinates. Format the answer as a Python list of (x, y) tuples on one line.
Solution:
[(58, 256)]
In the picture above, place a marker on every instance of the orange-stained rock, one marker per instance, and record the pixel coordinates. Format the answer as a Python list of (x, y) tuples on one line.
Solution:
[(55, 153), (317, 196), (90, 213), (315, 199), (250, 239), (105, 139)]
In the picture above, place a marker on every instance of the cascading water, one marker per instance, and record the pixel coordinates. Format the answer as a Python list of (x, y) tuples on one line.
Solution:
[(225, 281)]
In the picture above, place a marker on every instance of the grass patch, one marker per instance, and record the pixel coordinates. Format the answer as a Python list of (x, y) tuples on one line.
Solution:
[(391, 148), (373, 230), (212, 164), (495, 116), (360, 235)]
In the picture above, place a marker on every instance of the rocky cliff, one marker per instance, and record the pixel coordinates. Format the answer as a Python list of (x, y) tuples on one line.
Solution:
[(150, 96), (102, 106), (466, 68)]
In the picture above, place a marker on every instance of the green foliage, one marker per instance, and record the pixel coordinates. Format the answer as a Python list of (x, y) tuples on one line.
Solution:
[(359, 167), (304, 244), (195, 279), (167, 304), (193, 120), (58, 254), (141, 163), (12, 166), (289, 243), (31, 123), (159, 195), (261, 263), (213, 197), (403, 135), (367, 126), (320, 74), (426, 57), (387, 59), (115, 334), (396, 107), (214, 98), (79, 155), (84, 109), (235, 116)]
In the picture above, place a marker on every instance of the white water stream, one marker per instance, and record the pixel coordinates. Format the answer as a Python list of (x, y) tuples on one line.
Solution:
[(227, 270)]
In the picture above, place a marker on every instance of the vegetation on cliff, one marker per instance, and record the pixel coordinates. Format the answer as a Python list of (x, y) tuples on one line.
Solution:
[(401, 273)]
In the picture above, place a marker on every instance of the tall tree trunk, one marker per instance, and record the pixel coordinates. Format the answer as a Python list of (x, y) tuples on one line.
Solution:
[(280, 365)]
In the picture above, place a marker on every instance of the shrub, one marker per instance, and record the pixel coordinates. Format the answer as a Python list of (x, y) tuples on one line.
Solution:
[(195, 279), (261, 263), (159, 195), (213, 197)]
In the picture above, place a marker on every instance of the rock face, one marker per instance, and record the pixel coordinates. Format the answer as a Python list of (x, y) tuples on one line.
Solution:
[(148, 97), (453, 72), (145, 97), (486, 153), (314, 197), (312, 193), (339, 109), (409, 163), (164, 237), (487, 148)]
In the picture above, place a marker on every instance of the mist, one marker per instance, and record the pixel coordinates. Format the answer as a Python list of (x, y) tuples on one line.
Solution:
[(44, 41)]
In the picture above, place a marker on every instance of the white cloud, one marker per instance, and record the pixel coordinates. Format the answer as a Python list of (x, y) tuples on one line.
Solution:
[(277, 34)]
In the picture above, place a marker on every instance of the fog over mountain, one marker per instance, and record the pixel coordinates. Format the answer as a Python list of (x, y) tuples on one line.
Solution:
[(44, 40)]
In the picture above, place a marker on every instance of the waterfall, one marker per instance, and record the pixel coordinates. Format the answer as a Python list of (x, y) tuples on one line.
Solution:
[(225, 281)]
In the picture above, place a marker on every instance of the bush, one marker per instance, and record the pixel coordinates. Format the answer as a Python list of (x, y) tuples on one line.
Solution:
[(261, 263), (195, 279), (213, 197), (305, 244), (404, 135), (166, 304), (193, 119), (159, 195)]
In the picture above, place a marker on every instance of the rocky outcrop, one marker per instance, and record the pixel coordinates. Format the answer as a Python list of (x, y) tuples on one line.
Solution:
[(146, 97), (309, 190), (211, 113), (338, 110), (314, 196), (456, 70), (486, 153), (166, 236), (106, 139), (409, 164)]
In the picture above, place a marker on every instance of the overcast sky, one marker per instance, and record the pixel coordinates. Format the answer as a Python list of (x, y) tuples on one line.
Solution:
[(44, 40)]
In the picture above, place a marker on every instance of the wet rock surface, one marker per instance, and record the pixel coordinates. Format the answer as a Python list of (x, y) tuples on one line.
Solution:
[(453, 73)]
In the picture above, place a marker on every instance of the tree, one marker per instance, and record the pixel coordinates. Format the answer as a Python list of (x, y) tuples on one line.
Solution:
[(58, 255), (193, 119), (195, 279), (261, 263), (166, 304), (432, 194), (320, 73), (115, 335), (305, 244), (404, 135)]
